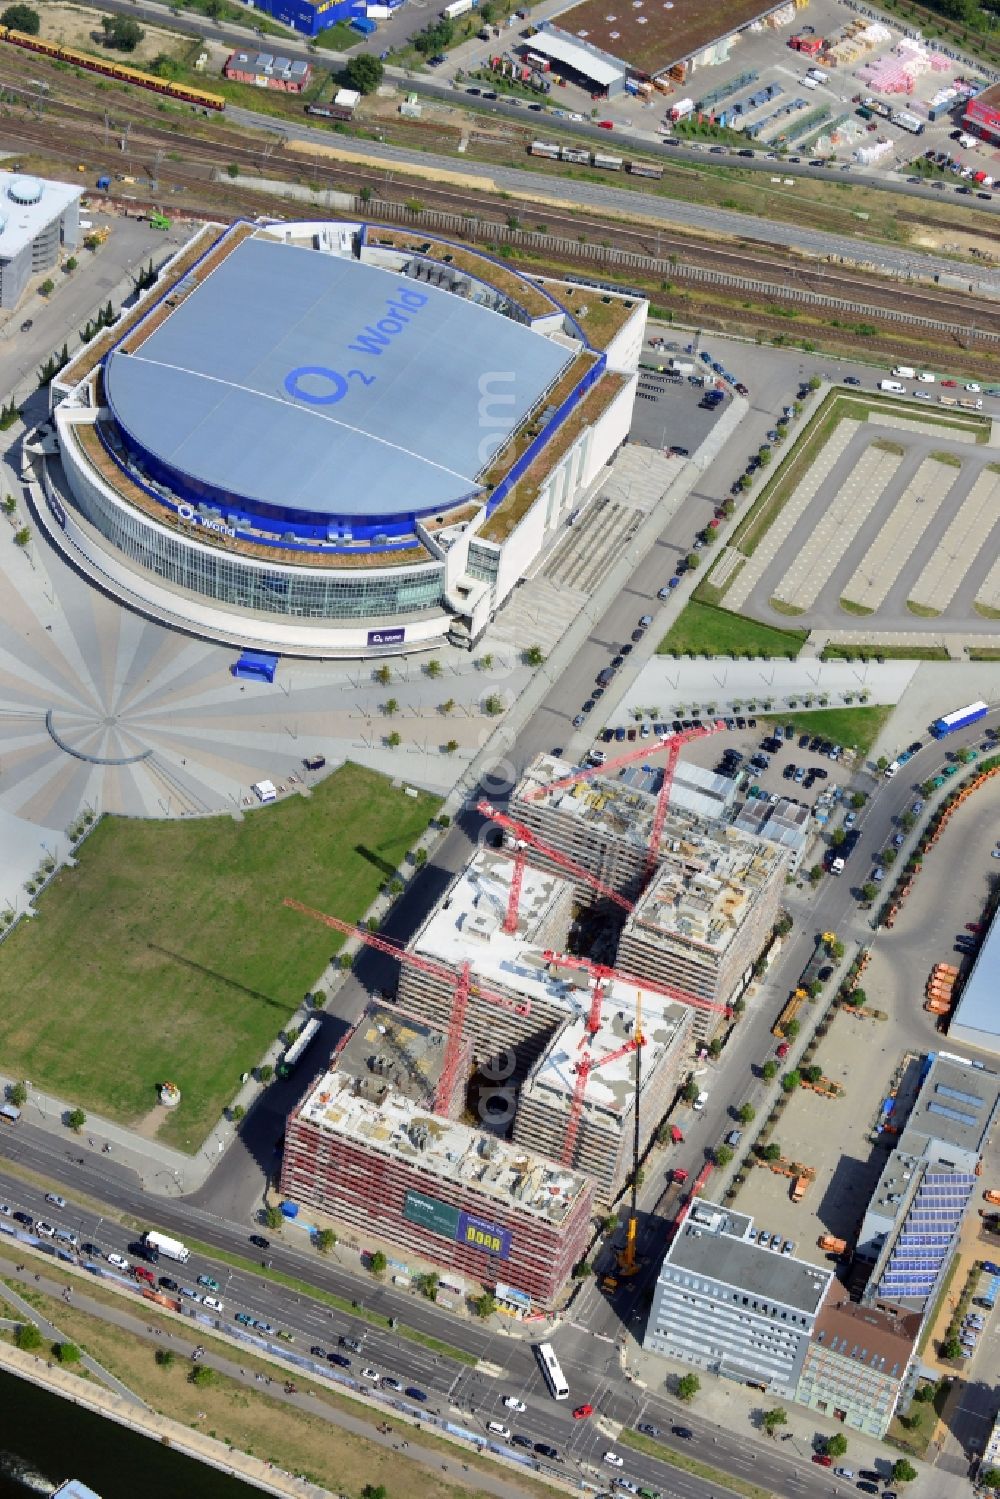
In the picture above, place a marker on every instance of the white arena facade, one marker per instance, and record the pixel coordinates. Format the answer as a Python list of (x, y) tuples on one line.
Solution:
[(333, 439)]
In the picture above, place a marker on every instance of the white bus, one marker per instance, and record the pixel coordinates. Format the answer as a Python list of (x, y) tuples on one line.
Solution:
[(554, 1376)]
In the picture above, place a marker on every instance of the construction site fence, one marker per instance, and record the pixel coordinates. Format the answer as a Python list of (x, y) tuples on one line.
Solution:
[(664, 270)]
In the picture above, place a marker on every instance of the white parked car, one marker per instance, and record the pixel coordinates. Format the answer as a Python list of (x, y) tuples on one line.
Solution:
[(613, 1460), (973, 387), (213, 1303), (60, 1202), (927, 377), (371, 1374), (513, 1404), (45, 1229), (118, 1260)]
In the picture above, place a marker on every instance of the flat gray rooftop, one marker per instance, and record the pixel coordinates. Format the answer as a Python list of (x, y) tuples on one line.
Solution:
[(403, 393), (976, 1021), (722, 1253), (957, 1104)]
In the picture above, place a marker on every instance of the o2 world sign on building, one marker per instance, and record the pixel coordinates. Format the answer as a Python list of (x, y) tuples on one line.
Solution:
[(456, 1224)]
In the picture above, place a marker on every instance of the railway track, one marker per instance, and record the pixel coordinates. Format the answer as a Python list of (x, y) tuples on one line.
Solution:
[(155, 143)]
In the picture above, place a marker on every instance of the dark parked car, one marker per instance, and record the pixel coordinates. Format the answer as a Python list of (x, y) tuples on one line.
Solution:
[(546, 1450), (93, 1250), (416, 1394), (167, 1283), (648, 1430), (25, 1219), (339, 1360), (260, 1241), (317, 1351), (683, 1431)]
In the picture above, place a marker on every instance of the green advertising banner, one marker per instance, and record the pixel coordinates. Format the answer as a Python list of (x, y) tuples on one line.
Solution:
[(429, 1213)]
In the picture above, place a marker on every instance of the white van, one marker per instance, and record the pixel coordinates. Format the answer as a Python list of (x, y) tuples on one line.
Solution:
[(265, 791), (893, 387), (890, 770), (904, 372), (700, 1101), (499, 1429)]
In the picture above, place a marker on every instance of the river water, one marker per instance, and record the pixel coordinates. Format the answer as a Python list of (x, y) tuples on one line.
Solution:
[(44, 1440)]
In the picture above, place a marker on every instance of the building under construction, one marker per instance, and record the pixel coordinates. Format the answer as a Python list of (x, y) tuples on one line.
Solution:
[(367, 1149), (600, 1139), (705, 916), (540, 1049), (605, 823)]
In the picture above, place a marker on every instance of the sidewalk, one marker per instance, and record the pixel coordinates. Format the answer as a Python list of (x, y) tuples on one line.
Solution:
[(50, 1332)]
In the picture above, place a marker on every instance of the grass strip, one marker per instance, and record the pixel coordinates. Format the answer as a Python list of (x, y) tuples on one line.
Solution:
[(931, 1322), (664, 1454), (922, 611), (884, 653), (705, 629), (849, 726), (330, 1298), (850, 607), (985, 653)]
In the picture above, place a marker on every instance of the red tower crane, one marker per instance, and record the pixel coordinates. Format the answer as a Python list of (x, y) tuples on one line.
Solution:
[(601, 972), (583, 1067), (529, 839), (673, 744), (462, 987)]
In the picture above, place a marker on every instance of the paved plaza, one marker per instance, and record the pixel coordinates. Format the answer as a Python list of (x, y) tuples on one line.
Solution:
[(895, 519)]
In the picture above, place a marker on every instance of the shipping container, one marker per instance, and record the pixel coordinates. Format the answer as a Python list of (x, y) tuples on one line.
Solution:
[(608, 163), (543, 148)]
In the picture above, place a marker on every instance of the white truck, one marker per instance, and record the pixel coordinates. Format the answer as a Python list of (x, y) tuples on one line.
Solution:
[(171, 1249), (681, 367), (456, 8), (904, 372)]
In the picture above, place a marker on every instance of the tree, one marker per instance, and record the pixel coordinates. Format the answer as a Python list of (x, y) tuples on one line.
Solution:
[(22, 536), (27, 1337), (722, 1155), (382, 675), (365, 72), (448, 706), (926, 1393), (747, 1113), (237, 1113), (47, 287), (836, 1445), (493, 705), (582, 1269), (121, 32), (764, 457), (692, 561), (451, 746), (773, 1419), (366, 194), (420, 857), (164, 1358), (21, 18), (534, 655), (687, 1387), (814, 382), (76, 1119), (18, 1094), (66, 1353), (812, 1074), (857, 997), (70, 263), (9, 504), (815, 874), (691, 1091), (485, 1305), (771, 1152), (324, 1239), (377, 1263), (201, 1375), (394, 740), (835, 949), (869, 890), (770, 1069), (390, 707), (791, 1080), (485, 662), (433, 667), (273, 1218), (265, 1072), (373, 1491), (837, 837), (951, 1348), (903, 1471), (990, 1479), (792, 1028)]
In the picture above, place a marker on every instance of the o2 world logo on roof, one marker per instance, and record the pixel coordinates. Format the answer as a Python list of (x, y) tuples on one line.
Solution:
[(373, 339)]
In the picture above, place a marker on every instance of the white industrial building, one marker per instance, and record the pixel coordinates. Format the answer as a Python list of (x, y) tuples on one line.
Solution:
[(38, 219)]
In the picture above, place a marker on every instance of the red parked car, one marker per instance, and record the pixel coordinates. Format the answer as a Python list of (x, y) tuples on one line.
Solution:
[(822, 1459), (605, 124), (783, 1049)]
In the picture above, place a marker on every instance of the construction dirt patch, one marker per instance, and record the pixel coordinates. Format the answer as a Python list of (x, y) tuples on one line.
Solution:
[(76, 26)]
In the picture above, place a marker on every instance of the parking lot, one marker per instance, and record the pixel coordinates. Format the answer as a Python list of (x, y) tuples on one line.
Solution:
[(677, 411), (894, 518)]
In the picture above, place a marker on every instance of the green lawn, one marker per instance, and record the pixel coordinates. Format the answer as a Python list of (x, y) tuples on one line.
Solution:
[(168, 954), (702, 629), (846, 726)]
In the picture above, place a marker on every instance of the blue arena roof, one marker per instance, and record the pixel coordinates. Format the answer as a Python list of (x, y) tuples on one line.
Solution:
[(299, 381)]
